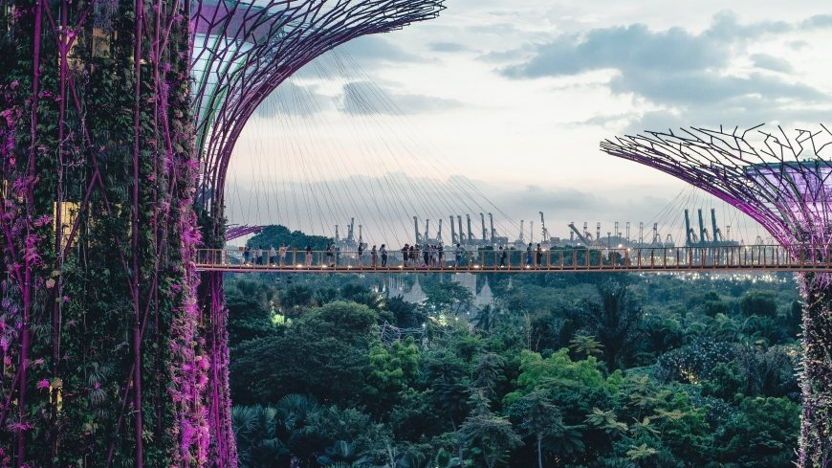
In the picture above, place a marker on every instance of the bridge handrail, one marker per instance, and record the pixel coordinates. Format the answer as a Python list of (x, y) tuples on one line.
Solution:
[(561, 258)]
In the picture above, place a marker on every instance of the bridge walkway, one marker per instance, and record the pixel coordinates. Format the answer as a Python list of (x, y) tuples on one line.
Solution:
[(729, 258)]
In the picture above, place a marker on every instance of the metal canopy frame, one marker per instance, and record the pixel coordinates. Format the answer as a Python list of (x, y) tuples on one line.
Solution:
[(242, 51)]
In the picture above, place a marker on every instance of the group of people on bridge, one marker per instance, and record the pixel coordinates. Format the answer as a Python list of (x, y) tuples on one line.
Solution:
[(412, 256), (272, 257), (432, 255)]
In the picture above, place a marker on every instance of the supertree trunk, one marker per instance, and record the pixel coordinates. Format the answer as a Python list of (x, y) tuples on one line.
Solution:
[(816, 370), (223, 447)]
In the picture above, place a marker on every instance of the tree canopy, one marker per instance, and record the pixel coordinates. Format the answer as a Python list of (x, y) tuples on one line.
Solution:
[(639, 371)]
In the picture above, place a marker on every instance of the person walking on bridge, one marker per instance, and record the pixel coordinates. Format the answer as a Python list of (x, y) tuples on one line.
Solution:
[(458, 255), (529, 258), (308, 255), (373, 256), (246, 255), (503, 253), (272, 256), (361, 254), (405, 254), (383, 252), (282, 252), (330, 255), (539, 258)]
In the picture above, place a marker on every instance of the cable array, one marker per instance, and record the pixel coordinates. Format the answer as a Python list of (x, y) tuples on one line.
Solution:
[(293, 168)]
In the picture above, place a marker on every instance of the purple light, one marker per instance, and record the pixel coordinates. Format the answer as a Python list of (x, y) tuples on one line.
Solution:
[(235, 232), (780, 181)]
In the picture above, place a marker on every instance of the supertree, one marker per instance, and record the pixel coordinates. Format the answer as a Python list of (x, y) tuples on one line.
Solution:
[(99, 347), (241, 52), (782, 180), (103, 342)]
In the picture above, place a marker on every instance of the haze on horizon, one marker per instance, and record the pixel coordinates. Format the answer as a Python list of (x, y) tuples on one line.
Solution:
[(515, 99)]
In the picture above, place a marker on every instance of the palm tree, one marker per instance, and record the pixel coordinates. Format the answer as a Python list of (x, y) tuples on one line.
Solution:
[(293, 410), (538, 417), (293, 414), (584, 345), (488, 373), (607, 421), (485, 318), (615, 321), (641, 452), (258, 444), (342, 454), (492, 434)]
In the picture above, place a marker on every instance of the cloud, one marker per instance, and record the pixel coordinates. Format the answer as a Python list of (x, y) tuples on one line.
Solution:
[(357, 58), (365, 98), (357, 98), (565, 200), (625, 48), (745, 114), (448, 47), (636, 48), (698, 87), (727, 28), (373, 49), (818, 21), (683, 74), (798, 44), (290, 99), (770, 62)]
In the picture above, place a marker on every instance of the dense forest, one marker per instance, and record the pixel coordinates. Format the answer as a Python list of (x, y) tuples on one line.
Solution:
[(558, 370)]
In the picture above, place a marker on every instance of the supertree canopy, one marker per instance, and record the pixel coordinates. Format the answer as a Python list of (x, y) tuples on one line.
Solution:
[(241, 52), (782, 180)]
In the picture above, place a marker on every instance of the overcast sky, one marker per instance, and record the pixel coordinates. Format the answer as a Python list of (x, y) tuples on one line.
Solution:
[(513, 97)]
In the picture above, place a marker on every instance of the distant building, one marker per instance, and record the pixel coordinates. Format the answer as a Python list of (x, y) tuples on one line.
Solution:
[(414, 294), (396, 287)]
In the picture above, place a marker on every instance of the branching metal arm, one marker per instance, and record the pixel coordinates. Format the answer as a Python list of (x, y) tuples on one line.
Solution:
[(244, 50), (776, 178)]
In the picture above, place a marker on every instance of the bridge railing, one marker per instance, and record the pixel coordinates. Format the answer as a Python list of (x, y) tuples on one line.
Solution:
[(772, 257)]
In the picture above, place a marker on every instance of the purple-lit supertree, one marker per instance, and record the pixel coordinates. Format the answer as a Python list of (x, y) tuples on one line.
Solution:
[(115, 116), (781, 180), (97, 177), (241, 51)]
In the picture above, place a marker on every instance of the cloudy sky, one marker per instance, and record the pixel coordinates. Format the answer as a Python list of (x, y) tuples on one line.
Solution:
[(502, 105)]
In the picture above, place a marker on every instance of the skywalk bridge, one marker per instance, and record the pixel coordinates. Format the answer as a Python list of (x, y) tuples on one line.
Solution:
[(768, 258)]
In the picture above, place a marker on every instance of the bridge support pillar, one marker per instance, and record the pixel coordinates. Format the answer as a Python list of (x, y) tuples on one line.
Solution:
[(816, 370)]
